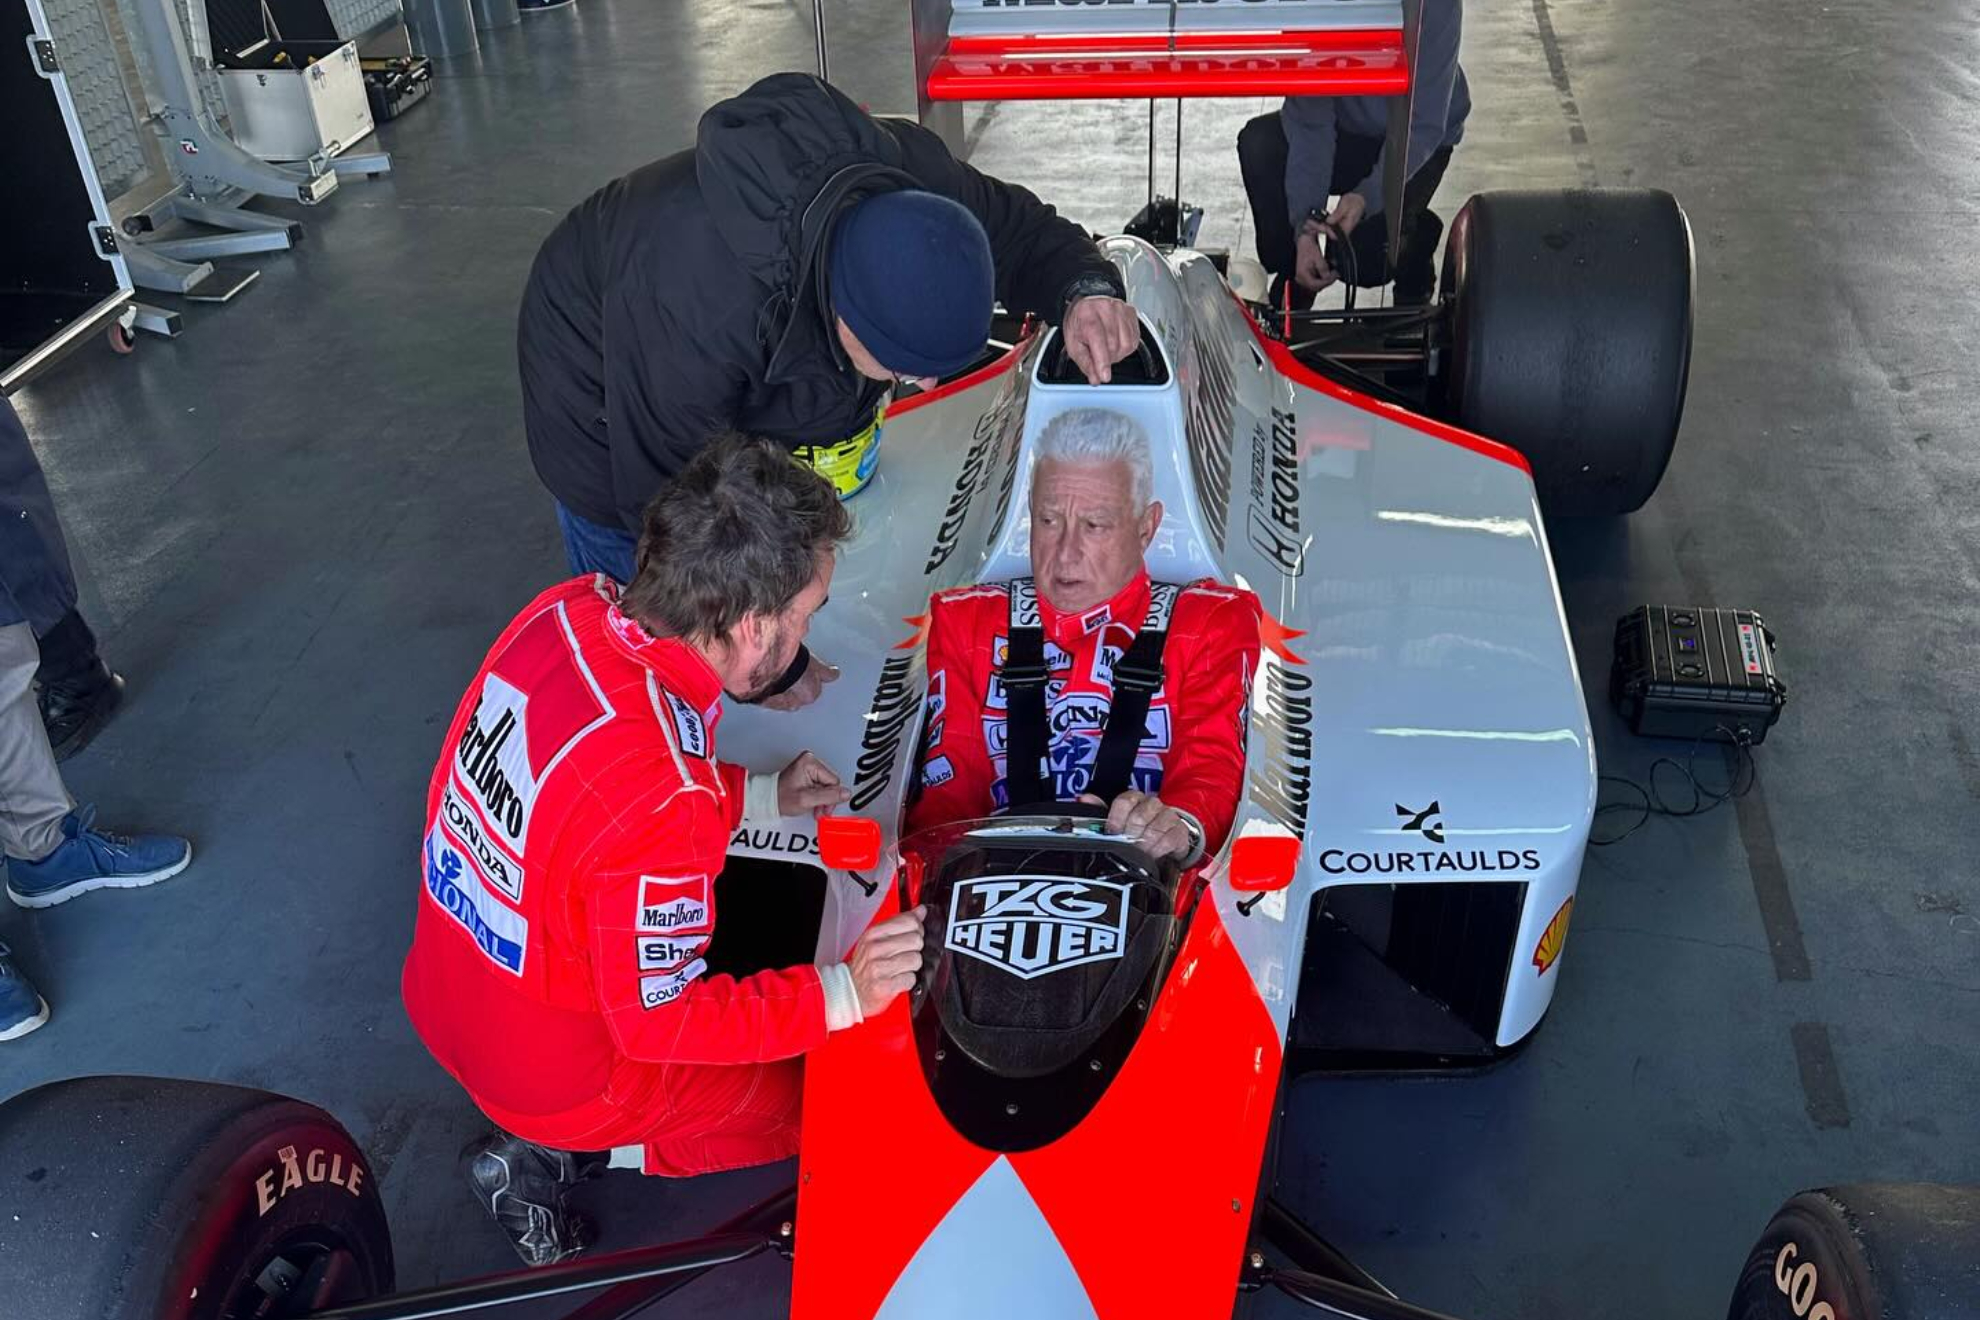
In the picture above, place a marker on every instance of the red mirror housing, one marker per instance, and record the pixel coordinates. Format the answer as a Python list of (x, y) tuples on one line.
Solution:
[(1261, 863), (849, 843)]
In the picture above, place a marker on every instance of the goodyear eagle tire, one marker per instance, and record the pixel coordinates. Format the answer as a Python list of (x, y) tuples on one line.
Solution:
[(142, 1196), (1570, 336), (1875, 1251)]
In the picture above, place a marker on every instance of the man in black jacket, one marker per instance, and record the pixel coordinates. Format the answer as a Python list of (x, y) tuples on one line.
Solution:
[(695, 295)]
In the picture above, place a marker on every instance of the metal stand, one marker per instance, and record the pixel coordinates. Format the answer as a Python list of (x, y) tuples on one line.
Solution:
[(216, 179)]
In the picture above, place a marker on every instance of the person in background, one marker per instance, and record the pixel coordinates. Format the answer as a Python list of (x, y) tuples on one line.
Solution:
[(1314, 149), (781, 278), (78, 692), (52, 848)]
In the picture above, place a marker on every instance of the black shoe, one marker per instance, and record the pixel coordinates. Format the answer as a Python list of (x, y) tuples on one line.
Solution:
[(76, 709), (522, 1187), (78, 691)]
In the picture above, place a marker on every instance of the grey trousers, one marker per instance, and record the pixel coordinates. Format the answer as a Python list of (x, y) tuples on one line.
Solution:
[(33, 799)]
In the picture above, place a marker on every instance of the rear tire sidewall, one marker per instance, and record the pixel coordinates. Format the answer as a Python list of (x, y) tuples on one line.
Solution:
[(1570, 337)]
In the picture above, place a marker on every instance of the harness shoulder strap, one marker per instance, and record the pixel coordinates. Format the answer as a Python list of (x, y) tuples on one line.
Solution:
[(1024, 675), (1137, 678)]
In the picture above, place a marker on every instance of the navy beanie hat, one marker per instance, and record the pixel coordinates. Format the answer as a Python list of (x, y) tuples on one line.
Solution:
[(912, 278)]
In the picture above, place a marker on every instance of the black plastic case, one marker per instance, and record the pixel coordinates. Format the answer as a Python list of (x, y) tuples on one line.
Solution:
[(1685, 672), (395, 85)]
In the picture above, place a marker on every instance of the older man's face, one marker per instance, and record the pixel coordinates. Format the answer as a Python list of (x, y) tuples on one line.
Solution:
[(1087, 536)]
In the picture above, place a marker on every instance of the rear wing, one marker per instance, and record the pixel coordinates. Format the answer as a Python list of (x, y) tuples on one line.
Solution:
[(1011, 50), (1005, 50)]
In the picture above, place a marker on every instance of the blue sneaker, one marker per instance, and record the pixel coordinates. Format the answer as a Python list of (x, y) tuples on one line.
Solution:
[(21, 1009), (89, 858)]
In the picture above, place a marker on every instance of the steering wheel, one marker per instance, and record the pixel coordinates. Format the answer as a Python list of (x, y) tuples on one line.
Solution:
[(1144, 357), (1060, 369), (1076, 810)]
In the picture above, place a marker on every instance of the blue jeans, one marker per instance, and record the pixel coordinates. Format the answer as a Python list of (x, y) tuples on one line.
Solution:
[(595, 548)]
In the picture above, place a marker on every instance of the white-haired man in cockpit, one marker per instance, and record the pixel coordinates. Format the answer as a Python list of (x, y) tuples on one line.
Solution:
[(1087, 681)]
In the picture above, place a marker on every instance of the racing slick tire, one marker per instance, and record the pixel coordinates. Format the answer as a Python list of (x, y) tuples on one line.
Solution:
[(1874, 1251), (1570, 336), (172, 1200)]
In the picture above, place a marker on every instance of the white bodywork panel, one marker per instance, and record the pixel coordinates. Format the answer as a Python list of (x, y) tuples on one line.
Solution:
[(1435, 663)]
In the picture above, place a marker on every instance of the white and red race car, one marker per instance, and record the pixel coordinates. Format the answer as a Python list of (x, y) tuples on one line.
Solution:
[(1398, 884), (1397, 887)]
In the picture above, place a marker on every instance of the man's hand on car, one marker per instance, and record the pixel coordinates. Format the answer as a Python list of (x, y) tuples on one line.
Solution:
[(807, 785), (805, 691), (1160, 829), (1100, 331), (886, 960)]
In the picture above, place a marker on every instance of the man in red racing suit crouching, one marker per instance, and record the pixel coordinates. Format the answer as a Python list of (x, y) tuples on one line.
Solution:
[(1034, 687), (574, 829)]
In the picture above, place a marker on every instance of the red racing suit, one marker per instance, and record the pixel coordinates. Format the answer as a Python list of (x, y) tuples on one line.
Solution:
[(1192, 747), (574, 828)]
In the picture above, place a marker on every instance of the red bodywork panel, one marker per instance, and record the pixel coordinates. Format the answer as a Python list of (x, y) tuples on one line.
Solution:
[(881, 1166), (1345, 62)]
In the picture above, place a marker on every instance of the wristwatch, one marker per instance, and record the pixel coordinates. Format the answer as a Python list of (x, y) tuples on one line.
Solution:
[(1196, 840), (1092, 284)]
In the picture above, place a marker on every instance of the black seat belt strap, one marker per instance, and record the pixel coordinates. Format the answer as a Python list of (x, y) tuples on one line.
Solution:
[(1137, 678), (1024, 675)]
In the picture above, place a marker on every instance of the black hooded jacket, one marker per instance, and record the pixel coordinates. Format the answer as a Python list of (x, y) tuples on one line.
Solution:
[(689, 296)]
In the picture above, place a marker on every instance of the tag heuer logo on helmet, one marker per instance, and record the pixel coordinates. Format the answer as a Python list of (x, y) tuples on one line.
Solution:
[(1031, 925)]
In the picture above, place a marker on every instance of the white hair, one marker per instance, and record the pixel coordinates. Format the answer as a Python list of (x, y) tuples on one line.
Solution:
[(1101, 435)]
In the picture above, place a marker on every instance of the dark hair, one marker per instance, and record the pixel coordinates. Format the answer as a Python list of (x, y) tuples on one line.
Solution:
[(738, 532)]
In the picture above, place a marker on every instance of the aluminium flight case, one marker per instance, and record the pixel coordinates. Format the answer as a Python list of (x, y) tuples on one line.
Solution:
[(62, 278)]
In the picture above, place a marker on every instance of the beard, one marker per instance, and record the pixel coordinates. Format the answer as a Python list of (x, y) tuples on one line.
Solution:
[(770, 668)]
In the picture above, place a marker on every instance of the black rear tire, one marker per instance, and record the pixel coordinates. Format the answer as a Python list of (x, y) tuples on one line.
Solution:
[(1874, 1251), (142, 1196), (1570, 337)]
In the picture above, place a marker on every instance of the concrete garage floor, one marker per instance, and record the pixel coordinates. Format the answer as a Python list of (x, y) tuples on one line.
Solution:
[(302, 523)]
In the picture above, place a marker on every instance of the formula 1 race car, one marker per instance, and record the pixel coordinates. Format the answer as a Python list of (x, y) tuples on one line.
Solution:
[(1396, 889), (1397, 886)]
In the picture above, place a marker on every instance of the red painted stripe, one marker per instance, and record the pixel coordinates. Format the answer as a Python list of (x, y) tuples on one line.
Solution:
[(988, 371), (1293, 369)]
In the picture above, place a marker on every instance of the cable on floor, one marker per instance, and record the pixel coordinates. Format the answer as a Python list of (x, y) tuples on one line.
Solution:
[(1649, 797)]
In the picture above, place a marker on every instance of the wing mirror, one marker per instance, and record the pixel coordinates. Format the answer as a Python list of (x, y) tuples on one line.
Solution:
[(1262, 863), (849, 843)]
